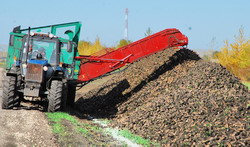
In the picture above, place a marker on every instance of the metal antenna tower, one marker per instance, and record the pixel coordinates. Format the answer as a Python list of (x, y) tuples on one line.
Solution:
[(126, 25)]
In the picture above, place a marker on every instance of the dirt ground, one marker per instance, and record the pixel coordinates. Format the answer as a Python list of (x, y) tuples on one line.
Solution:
[(24, 128)]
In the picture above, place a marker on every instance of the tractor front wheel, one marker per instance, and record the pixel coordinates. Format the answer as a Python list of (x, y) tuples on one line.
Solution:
[(10, 98), (55, 96)]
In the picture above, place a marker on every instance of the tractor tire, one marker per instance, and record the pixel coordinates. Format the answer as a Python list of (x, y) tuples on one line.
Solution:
[(19, 78), (18, 85), (71, 93), (64, 97), (10, 98), (55, 96)]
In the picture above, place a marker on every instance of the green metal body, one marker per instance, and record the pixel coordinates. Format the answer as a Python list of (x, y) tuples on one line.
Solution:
[(41, 64), (65, 32)]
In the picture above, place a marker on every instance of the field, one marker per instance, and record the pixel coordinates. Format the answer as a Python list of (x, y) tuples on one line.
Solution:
[(171, 98)]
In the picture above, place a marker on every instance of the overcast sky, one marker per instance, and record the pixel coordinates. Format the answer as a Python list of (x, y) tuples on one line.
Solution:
[(202, 21)]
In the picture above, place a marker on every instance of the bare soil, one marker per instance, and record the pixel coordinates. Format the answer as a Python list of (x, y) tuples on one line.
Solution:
[(24, 127)]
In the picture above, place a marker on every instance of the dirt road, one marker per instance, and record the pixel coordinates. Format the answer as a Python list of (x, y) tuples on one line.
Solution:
[(24, 128)]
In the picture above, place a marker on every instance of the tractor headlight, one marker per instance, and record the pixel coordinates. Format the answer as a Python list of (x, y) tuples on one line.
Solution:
[(45, 68), (32, 33), (24, 65), (51, 35)]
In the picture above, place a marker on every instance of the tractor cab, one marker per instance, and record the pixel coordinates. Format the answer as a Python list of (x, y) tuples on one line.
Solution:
[(42, 49)]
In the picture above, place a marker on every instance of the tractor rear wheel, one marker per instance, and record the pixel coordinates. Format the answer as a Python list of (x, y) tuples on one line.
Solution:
[(10, 98), (55, 96)]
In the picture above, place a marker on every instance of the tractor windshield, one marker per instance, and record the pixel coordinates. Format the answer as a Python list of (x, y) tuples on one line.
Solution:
[(41, 49)]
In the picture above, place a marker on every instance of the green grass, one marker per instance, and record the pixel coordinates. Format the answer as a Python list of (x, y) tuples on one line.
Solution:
[(91, 127), (58, 116), (83, 131), (2, 64), (137, 139), (247, 84), (57, 126)]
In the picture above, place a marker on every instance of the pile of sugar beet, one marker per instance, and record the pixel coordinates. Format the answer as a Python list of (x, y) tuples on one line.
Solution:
[(176, 99)]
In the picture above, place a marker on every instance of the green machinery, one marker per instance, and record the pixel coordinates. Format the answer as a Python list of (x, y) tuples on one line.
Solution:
[(41, 64)]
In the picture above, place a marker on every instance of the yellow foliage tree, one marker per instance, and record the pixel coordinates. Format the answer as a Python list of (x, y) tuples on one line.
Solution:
[(236, 56), (88, 48), (123, 42), (97, 49)]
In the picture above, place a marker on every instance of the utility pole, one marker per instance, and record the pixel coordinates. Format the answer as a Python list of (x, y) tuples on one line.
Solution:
[(126, 25)]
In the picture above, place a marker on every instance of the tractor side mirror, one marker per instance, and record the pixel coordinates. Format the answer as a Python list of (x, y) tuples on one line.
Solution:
[(69, 47)]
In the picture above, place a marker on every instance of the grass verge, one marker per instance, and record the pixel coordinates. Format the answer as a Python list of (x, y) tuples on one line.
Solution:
[(70, 131), (247, 84), (2, 64), (66, 128), (55, 120), (126, 134), (135, 138)]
